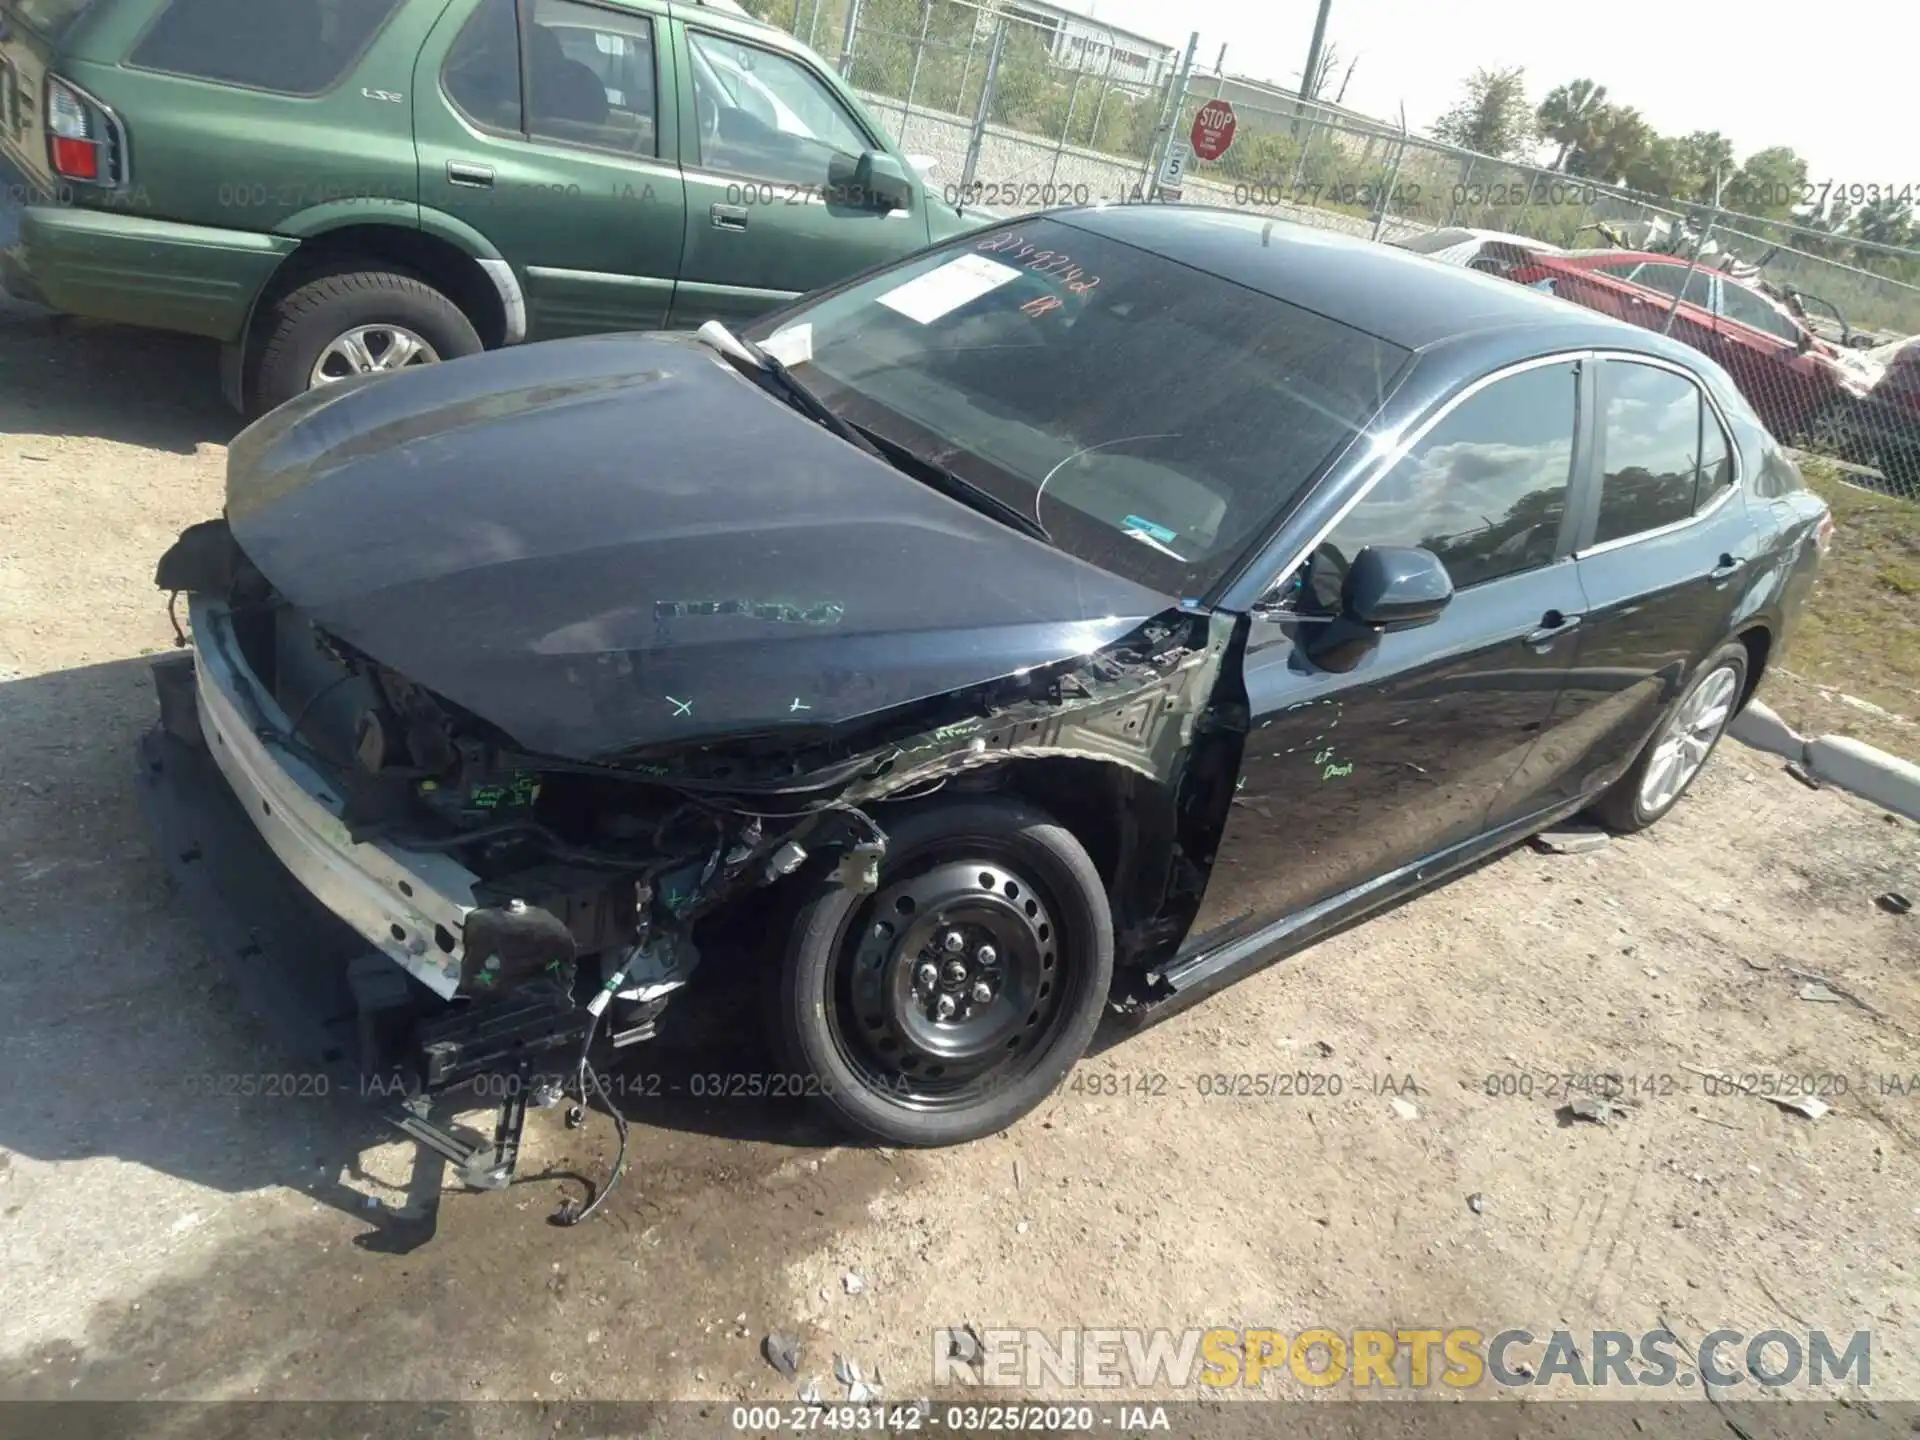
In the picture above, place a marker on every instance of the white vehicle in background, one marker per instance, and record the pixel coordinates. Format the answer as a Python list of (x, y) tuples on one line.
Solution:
[(1492, 251)]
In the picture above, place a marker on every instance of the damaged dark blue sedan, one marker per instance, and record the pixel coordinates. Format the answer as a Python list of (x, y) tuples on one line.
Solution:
[(1074, 615)]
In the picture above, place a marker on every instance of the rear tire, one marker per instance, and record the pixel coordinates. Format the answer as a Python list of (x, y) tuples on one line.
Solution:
[(904, 1060), (1680, 748), (322, 316)]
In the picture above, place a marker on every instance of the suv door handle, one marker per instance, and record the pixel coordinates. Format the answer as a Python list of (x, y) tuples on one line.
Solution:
[(729, 217), (474, 177), (1728, 567), (1553, 625)]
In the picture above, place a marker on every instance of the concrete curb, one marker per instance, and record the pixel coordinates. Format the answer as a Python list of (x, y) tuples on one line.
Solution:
[(1886, 780)]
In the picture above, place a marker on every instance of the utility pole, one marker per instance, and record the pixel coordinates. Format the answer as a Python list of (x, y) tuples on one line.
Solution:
[(1312, 72), (1220, 70)]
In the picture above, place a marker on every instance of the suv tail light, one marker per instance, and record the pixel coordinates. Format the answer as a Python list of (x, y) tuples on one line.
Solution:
[(83, 139), (1823, 535)]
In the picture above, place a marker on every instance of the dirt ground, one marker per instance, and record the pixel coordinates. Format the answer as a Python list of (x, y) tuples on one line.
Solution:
[(163, 1244)]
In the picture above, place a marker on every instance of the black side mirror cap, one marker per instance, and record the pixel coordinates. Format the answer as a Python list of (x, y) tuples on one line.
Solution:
[(875, 181), (1396, 587)]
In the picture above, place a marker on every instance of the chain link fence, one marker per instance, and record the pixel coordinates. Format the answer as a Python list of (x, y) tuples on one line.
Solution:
[(1019, 108)]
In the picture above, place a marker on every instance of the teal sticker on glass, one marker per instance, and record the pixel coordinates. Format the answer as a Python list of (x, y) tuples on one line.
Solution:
[(1151, 530)]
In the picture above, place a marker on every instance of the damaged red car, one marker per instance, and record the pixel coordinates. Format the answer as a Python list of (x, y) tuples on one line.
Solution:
[(1065, 620)]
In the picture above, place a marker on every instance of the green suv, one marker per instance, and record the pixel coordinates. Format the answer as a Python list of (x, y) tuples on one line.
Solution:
[(333, 187)]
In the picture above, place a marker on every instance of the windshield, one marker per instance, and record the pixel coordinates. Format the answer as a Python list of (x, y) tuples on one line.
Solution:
[(1154, 419)]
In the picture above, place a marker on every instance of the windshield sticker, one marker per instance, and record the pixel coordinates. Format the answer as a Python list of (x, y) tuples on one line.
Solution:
[(1147, 527), (1055, 264), (925, 298), (791, 346), (1134, 532)]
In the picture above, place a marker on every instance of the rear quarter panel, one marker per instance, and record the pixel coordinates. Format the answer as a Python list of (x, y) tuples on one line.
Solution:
[(225, 156)]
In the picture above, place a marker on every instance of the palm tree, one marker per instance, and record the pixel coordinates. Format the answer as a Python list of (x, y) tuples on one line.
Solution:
[(1619, 142), (1567, 116)]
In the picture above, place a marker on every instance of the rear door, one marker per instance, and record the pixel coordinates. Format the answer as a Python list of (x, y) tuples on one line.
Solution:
[(549, 127), (1667, 549), (763, 136)]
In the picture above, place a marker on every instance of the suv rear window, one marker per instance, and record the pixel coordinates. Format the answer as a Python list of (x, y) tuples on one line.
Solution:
[(51, 17), (291, 47)]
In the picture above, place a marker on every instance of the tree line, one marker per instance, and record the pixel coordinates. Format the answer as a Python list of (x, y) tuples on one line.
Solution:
[(1596, 138)]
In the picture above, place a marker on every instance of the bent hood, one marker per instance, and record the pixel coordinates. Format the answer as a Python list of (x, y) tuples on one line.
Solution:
[(619, 541)]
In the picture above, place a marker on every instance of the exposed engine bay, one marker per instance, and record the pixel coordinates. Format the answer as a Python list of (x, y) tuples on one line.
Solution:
[(539, 905)]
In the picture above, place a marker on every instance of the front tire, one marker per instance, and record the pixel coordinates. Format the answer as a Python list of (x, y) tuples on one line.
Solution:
[(350, 322), (1679, 749), (957, 996)]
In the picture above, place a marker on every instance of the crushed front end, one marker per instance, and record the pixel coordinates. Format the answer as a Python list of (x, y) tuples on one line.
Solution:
[(524, 907)]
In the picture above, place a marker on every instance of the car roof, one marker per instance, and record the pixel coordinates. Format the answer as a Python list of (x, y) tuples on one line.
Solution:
[(1404, 298)]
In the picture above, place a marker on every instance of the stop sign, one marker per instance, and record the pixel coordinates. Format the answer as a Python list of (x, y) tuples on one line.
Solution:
[(1212, 130)]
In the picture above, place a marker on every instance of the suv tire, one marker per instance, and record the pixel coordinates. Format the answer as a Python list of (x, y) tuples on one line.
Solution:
[(302, 324)]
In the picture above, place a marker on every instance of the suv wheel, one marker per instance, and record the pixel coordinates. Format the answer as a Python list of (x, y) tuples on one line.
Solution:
[(353, 322), (956, 997)]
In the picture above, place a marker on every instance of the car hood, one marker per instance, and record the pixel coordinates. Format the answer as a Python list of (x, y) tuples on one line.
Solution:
[(619, 541)]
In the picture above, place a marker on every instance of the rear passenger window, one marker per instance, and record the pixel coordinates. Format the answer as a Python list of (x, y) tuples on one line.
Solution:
[(1485, 489), (590, 75), (291, 47), (1650, 423)]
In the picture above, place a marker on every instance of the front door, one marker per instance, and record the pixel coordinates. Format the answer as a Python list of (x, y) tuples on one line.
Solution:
[(766, 144), (542, 126), (1760, 348), (1348, 778)]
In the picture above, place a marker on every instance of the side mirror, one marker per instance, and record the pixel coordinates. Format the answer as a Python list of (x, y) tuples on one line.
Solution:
[(1396, 587), (875, 181), (1387, 588)]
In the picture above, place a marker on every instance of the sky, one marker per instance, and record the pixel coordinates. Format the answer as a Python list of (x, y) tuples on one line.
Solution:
[(1833, 80)]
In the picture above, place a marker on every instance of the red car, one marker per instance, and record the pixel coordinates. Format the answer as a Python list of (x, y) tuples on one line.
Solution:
[(1788, 374)]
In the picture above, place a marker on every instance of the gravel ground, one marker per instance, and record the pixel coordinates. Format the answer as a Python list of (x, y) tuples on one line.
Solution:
[(165, 1244)]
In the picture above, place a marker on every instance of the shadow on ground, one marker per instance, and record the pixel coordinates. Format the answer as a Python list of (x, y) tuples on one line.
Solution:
[(134, 1030), (61, 376)]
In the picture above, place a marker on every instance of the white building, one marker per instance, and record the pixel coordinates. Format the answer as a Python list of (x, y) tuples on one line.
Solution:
[(1080, 43)]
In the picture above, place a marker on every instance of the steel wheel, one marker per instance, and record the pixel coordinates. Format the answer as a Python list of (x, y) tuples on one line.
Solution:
[(949, 983), (370, 350), (1689, 735)]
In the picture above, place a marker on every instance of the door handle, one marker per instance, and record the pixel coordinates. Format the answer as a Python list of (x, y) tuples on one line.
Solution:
[(1553, 625), (729, 217), (474, 177), (1728, 567)]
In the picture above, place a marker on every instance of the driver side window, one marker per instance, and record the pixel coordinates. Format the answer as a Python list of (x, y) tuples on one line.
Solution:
[(765, 116), (1485, 489), (1744, 306)]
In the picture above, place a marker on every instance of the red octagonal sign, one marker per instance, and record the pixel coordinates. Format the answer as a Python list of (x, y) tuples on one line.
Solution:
[(1212, 130)]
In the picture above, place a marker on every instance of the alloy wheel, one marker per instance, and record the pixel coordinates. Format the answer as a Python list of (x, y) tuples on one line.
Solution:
[(370, 350), (1689, 736)]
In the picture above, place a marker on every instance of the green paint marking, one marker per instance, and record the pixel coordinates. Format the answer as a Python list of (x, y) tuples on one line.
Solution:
[(776, 612), (1335, 772)]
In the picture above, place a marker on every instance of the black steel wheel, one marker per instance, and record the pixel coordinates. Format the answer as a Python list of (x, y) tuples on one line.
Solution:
[(953, 999)]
